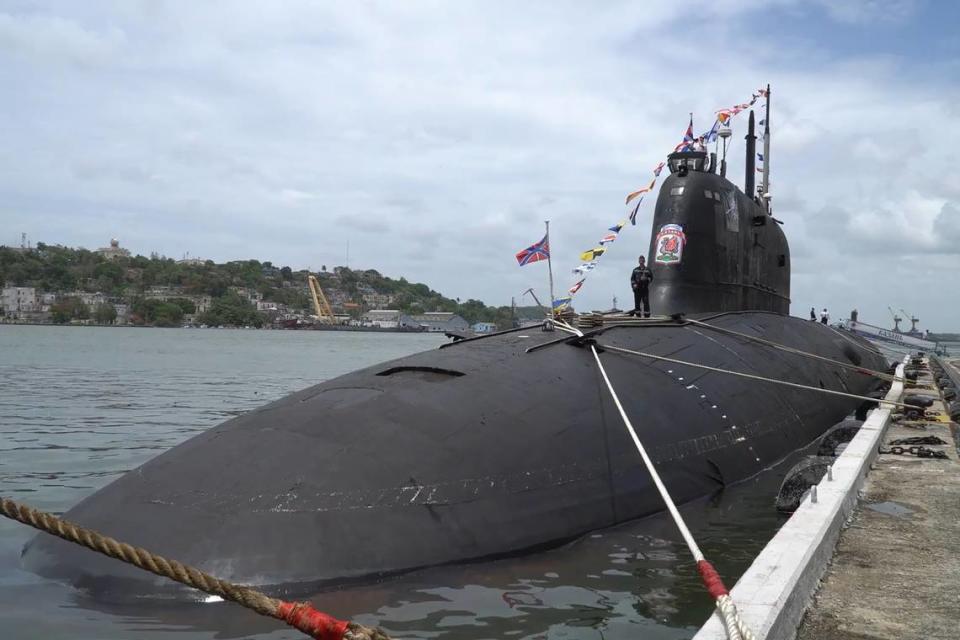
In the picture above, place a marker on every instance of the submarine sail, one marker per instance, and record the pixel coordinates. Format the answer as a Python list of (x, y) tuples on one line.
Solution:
[(499, 444)]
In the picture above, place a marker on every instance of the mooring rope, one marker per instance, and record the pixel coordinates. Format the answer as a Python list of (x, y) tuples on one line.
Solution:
[(734, 624), (800, 352), (300, 615), (752, 376)]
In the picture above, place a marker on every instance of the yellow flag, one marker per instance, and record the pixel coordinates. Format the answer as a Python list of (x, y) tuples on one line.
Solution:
[(592, 254)]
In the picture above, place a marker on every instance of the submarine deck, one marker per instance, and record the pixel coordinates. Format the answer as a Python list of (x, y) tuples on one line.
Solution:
[(895, 573)]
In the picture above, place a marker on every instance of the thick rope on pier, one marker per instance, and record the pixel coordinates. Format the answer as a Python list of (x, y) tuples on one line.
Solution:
[(300, 615)]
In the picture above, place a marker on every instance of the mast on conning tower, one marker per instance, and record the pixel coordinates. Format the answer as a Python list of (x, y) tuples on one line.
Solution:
[(765, 190)]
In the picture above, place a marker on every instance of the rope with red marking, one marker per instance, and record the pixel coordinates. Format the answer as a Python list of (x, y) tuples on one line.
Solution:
[(732, 622), (300, 615)]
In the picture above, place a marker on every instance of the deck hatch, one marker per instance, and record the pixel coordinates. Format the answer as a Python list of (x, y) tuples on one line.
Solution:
[(434, 370)]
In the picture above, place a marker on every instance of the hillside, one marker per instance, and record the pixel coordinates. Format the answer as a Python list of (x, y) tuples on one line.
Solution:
[(134, 280)]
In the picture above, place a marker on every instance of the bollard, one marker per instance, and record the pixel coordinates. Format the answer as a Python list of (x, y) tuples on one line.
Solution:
[(830, 473), (813, 494)]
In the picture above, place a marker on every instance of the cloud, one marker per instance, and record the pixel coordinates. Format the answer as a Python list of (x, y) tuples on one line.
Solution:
[(55, 38), (435, 139)]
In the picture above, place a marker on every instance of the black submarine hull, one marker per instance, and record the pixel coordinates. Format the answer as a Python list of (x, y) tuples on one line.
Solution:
[(478, 449)]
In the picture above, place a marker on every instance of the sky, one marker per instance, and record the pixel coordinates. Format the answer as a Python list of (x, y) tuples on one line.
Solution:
[(431, 140)]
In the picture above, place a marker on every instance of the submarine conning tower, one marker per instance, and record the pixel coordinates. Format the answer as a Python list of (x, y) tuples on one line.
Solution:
[(714, 247)]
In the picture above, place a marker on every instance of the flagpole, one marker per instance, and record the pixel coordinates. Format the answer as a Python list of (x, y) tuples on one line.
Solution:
[(549, 267)]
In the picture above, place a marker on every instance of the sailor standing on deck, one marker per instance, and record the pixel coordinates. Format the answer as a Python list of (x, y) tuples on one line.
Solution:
[(824, 316), (813, 314), (640, 280)]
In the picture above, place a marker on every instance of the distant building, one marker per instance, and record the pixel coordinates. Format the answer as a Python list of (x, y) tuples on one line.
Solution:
[(90, 299), (388, 319), (377, 300), (123, 312), (484, 327), (441, 321), (15, 301), (114, 251), (251, 295)]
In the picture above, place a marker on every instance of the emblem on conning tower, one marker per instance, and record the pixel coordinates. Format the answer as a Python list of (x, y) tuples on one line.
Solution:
[(670, 241)]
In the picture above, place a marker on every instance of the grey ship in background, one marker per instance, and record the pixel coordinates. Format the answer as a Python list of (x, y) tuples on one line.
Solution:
[(499, 444)]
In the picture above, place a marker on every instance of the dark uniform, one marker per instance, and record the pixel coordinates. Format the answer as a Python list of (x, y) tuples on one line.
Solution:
[(640, 280)]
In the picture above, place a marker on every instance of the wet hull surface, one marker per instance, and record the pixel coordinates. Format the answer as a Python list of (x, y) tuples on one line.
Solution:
[(476, 450)]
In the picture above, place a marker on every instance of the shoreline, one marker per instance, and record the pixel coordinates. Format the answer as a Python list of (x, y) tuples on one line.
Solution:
[(136, 326)]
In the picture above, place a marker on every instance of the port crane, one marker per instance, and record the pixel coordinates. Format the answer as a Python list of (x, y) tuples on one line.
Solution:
[(320, 303), (896, 320), (913, 321)]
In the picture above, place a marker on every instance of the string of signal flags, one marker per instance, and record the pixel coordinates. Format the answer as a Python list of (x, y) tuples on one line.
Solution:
[(589, 258)]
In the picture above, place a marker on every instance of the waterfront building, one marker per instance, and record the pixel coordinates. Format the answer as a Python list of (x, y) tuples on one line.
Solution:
[(440, 321), (388, 319), (15, 301), (484, 327)]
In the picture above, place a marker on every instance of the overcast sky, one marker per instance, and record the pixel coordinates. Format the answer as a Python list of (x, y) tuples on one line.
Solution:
[(434, 138)]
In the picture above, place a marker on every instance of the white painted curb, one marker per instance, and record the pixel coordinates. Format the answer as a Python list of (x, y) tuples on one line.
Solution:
[(774, 593)]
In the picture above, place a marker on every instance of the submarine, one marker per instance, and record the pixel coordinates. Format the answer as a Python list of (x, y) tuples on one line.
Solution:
[(504, 443)]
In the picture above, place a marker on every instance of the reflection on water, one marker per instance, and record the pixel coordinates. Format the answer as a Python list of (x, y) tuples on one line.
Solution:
[(81, 406)]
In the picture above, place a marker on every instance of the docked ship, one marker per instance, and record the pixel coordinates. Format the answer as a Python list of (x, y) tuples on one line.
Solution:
[(912, 340), (503, 443)]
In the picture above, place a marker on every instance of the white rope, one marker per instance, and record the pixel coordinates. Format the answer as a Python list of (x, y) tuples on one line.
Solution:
[(671, 507), (751, 376), (794, 350), (734, 625), (732, 622)]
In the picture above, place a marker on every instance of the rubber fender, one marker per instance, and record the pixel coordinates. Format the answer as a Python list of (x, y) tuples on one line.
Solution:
[(867, 405), (836, 435), (946, 383), (910, 375), (949, 394), (798, 481), (918, 401)]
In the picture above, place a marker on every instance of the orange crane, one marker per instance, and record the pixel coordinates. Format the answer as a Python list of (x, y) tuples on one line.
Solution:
[(320, 304)]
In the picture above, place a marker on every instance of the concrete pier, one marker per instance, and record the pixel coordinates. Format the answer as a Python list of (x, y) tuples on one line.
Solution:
[(896, 570), (883, 535)]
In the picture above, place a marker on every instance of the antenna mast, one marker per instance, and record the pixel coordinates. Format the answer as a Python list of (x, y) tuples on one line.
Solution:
[(765, 192)]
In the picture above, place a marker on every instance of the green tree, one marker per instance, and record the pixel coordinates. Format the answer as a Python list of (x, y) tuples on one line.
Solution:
[(232, 310), (105, 313), (69, 309), (157, 313)]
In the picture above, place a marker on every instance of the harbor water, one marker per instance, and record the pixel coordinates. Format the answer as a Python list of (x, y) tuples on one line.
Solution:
[(79, 406)]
